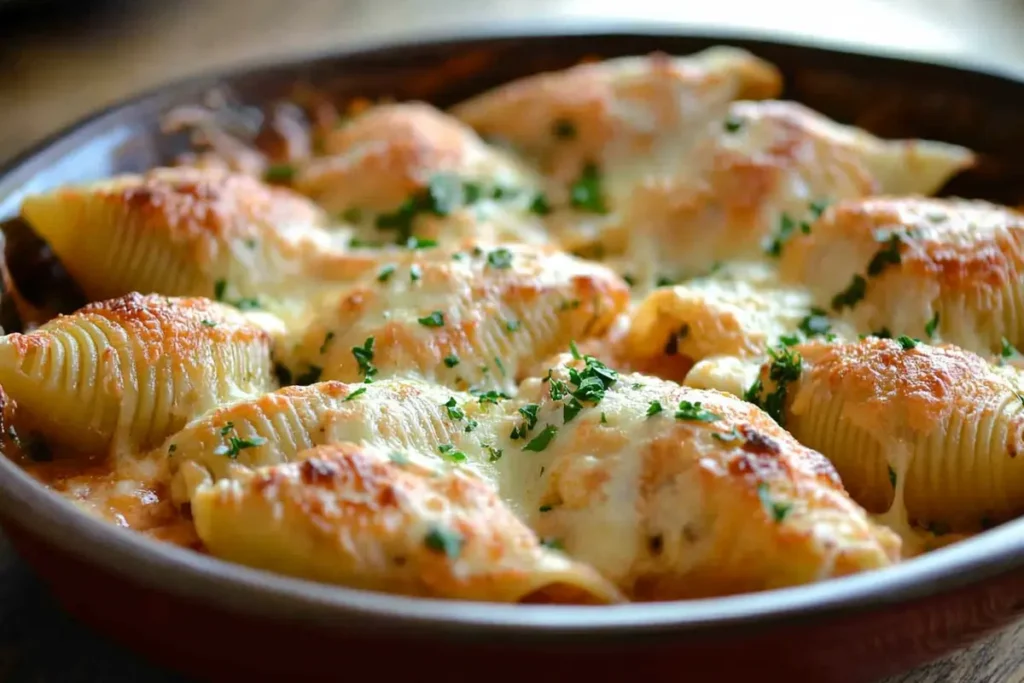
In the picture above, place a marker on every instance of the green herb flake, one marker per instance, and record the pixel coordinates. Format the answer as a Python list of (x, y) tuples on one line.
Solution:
[(654, 408), (727, 437), (500, 366), (236, 445), (604, 418), (552, 544), (279, 173), (695, 412), (545, 508), (512, 325), (586, 194), (451, 453), (773, 247), (815, 324), (1008, 350), (443, 540), (435, 319), (493, 454), (540, 205), (219, 289), (352, 215), (542, 440), (415, 272), (358, 392), (785, 367), (415, 243), (451, 361), (789, 340), (932, 326), (892, 477), (888, 255), (490, 397), (327, 341), (907, 342), (732, 123), (778, 511), (226, 429), (849, 297), (208, 323), (570, 410), (500, 258), (364, 358), (385, 273), (454, 412)]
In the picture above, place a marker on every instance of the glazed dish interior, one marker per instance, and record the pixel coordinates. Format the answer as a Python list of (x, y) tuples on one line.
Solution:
[(633, 330)]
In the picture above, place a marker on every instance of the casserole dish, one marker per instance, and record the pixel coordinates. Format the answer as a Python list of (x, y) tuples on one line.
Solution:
[(210, 618)]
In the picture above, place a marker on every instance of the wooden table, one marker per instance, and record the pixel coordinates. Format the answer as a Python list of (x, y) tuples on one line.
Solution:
[(50, 78)]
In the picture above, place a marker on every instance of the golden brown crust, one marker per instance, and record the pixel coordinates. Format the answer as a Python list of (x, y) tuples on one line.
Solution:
[(352, 515)]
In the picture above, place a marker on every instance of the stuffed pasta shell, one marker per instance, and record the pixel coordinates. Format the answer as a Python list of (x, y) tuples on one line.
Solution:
[(397, 170), (468, 318), (938, 269), (929, 435), (674, 492), (761, 174), (190, 232), (371, 518), (129, 371), (722, 323), (274, 428)]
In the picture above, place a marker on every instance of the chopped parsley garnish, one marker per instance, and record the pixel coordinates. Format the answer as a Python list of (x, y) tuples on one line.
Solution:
[(310, 376), (654, 408), (246, 304), (563, 129), (173, 447), (785, 367), (386, 272), (512, 325), (236, 445), (884, 333), (778, 511), (545, 508), (443, 540), (490, 397), (695, 412), (454, 411), (420, 243), (451, 361), (789, 340), (586, 194), (279, 173), (500, 366), (888, 255), (552, 544), (816, 323), (327, 340), (364, 358), (773, 247), (629, 279), (570, 410), (435, 319), (892, 476), (529, 413), (451, 453), (500, 258), (219, 288), (415, 272), (732, 123), (208, 323), (542, 440), (357, 243), (1008, 350), (604, 418), (665, 281), (358, 392), (932, 325), (853, 293), (907, 342), (818, 207), (540, 205), (493, 454), (226, 429), (471, 425), (574, 350)]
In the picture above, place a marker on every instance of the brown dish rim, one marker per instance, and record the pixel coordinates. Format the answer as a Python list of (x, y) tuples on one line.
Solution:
[(182, 572)]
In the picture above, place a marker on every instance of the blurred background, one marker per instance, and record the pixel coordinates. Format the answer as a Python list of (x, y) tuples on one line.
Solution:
[(60, 59)]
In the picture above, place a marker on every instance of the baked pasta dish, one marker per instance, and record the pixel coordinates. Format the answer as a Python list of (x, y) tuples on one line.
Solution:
[(636, 330)]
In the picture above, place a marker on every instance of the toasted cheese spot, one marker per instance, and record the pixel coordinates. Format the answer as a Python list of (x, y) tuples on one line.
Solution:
[(939, 269), (129, 371), (732, 502), (927, 434), (189, 232), (736, 191), (349, 515), (439, 303)]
